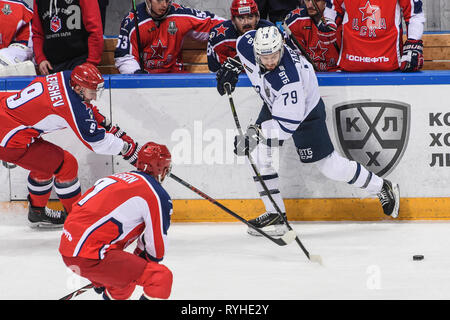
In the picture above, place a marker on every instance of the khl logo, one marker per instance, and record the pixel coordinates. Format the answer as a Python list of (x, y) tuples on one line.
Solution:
[(373, 132)]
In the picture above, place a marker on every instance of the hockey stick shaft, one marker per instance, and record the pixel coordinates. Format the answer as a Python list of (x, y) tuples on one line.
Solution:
[(138, 34), (256, 171), (316, 7), (77, 292), (280, 241), (299, 46)]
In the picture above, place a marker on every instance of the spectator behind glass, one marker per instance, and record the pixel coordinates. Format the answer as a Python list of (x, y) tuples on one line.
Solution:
[(15, 39), (372, 40), (66, 34), (276, 10), (163, 26), (317, 35)]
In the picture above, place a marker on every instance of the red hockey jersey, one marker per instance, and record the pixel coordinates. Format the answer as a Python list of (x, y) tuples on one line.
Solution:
[(49, 104), (116, 211), (305, 31), (372, 33), (161, 41), (15, 17)]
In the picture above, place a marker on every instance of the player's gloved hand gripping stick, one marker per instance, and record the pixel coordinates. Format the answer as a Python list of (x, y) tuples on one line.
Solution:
[(313, 258)]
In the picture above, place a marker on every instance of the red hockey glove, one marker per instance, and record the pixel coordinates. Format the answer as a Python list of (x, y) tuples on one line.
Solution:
[(130, 147), (326, 31), (412, 58)]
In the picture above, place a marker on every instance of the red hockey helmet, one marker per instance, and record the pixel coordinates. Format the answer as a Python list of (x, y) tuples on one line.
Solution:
[(241, 7), (87, 75), (154, 159)]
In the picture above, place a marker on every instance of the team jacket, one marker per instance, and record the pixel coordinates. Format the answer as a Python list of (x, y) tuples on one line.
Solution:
[(372, 33), (15, 17), (49, 104), (116, 211), (63, 30), (222, 42), (305, 31), (290, 91), (161, 41)]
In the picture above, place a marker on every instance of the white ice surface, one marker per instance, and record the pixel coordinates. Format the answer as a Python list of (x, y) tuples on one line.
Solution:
[(219, 261)]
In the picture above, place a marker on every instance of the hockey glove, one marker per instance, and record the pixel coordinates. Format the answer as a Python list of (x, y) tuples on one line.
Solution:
[(140, 71), (228, 75), (130, 148), (244, 145), (412, 58), (326, 31)]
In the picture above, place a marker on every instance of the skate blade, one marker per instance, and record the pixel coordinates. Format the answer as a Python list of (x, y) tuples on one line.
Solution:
[(396, 191), (44, 226), (273, 231)]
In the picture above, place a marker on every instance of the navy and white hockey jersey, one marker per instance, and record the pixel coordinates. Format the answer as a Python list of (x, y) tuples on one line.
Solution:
[(291, 90)]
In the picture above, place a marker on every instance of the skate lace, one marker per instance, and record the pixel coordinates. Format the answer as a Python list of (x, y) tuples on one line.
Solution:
[(383, 196), (56, 214), (262, 217)]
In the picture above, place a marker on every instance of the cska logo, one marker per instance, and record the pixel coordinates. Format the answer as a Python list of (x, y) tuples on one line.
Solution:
[(55, 24), (373, 133), (370, 20)]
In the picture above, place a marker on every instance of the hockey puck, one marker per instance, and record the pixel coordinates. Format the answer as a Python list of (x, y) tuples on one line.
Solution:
[(418, 257)]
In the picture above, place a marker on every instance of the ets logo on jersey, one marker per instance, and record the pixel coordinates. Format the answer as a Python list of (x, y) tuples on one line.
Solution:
[(55, 24), (373, 132)]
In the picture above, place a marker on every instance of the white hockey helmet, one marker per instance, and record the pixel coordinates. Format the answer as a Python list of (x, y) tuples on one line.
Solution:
[(268, 40)]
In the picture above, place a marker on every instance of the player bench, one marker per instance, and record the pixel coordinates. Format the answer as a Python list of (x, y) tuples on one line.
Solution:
[(436, 53), (194, 56)]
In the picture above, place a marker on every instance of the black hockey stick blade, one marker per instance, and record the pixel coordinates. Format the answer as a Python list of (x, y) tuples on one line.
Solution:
[(77, 292), (287, 238)]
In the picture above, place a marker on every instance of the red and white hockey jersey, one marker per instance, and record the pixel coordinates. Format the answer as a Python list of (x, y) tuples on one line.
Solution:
[(15, 32), (161, 41), (48, 104), (15, 17), (325, 56), (372, 33), (116, 211)]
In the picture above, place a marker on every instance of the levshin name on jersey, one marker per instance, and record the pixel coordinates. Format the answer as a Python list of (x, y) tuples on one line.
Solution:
[(54, 91)]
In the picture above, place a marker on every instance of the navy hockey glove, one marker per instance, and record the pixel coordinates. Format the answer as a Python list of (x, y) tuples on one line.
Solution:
[(228, 75), (412, 58), (244, 145), (140, 71)]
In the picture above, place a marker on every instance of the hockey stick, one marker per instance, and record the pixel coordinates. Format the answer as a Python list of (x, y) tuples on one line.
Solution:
[(313, 258), (316, 7), (284, 240), (299, 46), (77, 292), (138, 35)]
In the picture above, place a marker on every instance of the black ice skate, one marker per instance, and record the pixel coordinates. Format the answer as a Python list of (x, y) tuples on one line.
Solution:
[(390, 198), (270, 223), (43, 217)]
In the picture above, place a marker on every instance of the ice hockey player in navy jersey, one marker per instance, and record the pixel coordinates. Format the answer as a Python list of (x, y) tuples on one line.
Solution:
[(222, 38), (288, 86), (163, 26)]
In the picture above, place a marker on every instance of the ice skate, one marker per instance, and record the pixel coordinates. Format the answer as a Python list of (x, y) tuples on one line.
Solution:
[(44, 217), (270, 223), (390, 198)]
